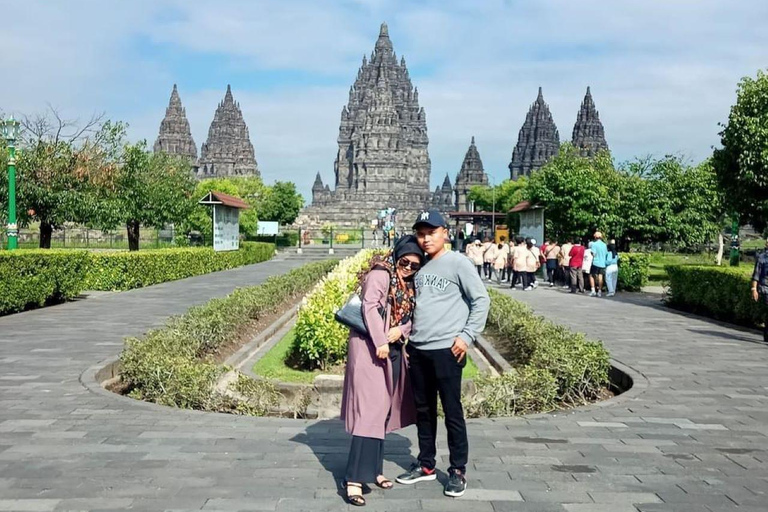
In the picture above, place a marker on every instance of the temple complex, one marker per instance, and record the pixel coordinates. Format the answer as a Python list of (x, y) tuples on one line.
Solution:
[(175, 136), (471, 174), (382, 159), (537, 141), (588, 132)]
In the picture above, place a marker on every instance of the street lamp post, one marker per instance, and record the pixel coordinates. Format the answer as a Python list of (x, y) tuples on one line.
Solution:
[(493, 213), (10, 129)]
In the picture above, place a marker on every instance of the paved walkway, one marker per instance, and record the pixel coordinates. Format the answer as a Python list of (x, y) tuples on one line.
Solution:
[(692, 437)]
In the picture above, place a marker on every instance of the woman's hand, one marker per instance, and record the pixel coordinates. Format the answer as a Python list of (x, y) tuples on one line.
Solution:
[(755, 295), (382, 352), (394, 334)]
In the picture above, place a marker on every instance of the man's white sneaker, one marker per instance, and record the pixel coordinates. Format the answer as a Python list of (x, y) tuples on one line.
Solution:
[(592, 294), (599, 294)]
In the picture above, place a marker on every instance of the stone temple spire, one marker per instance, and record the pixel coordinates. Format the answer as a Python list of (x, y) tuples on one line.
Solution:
[(588, 132), (228, 150), (537, 141), (382, 158), (175, 137), (471, 174)]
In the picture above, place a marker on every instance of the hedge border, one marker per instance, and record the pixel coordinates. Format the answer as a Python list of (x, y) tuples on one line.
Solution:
[(722, 293)]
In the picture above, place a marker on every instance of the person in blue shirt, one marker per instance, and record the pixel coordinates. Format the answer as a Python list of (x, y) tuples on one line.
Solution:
[(612, 269), (599, 261)]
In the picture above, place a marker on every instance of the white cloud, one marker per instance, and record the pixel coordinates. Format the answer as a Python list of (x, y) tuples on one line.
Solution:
[(663, 74)]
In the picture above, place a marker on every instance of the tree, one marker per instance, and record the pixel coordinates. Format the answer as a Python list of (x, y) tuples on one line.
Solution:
[(59, 165), (280, 203), (580, 193), (150, 189), (741, 164)]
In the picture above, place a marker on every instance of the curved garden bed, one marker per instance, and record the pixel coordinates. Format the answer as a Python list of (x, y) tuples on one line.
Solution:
[(202, 359)]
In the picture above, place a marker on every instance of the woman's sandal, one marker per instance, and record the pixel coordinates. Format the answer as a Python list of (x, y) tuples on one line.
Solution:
[(383, 482), (355, 499)]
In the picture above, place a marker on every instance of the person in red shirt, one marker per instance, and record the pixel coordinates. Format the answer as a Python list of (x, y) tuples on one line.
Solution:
[(577, 260)]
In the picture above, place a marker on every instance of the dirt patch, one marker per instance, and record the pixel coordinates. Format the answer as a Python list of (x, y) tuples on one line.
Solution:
[(252, 329)]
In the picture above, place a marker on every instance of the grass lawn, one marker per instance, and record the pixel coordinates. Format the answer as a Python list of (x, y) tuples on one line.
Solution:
[(656, 272), (272, 365)]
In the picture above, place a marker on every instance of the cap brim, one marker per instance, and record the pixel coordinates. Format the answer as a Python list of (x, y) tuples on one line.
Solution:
[(426, 223)]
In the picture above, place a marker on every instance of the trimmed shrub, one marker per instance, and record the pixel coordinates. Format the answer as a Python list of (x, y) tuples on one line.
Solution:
[(722, 293), (633, 270), (284, 239), (320, 340), (553, 365), (172, 365), (127, 270), (32, 278)]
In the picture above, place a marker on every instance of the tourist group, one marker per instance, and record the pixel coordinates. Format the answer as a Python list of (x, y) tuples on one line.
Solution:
[(576, 264)]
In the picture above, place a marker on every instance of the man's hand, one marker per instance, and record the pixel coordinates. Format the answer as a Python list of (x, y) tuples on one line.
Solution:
[(382, 352), (394, 334), (459, 349), (755, 295)]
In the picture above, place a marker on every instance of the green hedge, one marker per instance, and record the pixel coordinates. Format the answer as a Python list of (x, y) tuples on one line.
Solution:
[(554, 366), (722, 293), (633, 270), (31, 278), (171, 365), (284, 239), (128, 270)]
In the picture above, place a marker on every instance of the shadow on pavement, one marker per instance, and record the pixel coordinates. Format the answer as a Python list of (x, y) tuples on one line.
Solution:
[(330, 444)]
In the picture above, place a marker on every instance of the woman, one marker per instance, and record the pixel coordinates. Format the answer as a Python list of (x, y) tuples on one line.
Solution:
[(489, 257), (475, 253), (531, 264), (377, 395), (488, 247), (500, 263), (586, 266), (612, 269)]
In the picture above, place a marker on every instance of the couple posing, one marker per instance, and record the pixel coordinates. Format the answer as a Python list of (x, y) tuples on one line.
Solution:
[(390, 384)]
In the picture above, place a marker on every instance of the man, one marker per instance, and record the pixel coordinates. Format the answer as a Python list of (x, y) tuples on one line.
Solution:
[(565, 262), (451, 308), (760, 283), (576, 260), (599, 259)]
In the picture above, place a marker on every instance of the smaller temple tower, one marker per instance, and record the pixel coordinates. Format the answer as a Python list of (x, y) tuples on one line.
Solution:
[(588, 132), (442, 197), (537, 141), (175, 137), (228, 150), (471, 174)]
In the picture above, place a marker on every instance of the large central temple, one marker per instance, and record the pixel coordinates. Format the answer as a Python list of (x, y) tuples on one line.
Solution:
[(382, 159)]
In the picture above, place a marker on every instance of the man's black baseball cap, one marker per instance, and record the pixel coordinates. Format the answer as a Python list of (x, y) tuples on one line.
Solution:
[(430, 218)]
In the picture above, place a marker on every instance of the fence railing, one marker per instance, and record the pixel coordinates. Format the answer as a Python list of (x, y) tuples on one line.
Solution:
[(83, 238)]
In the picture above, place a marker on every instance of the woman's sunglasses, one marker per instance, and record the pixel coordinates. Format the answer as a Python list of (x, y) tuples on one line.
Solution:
[(405, 264)]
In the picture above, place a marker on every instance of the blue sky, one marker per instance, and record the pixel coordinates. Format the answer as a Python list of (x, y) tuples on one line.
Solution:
[(663, 73)]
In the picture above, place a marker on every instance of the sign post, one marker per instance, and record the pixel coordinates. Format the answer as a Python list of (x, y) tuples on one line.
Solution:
[(226, 219)]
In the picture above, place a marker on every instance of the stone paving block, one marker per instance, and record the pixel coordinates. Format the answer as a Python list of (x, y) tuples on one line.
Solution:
[(594, 507), (240, 504), (456, 505), (556, 496), (28, 505), (624, 497)]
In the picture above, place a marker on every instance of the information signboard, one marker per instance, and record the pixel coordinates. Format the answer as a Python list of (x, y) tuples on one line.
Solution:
[(226, 228)]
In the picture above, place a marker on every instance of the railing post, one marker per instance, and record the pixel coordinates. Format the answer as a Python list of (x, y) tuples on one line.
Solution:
[(362, 238), (330, 250)]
